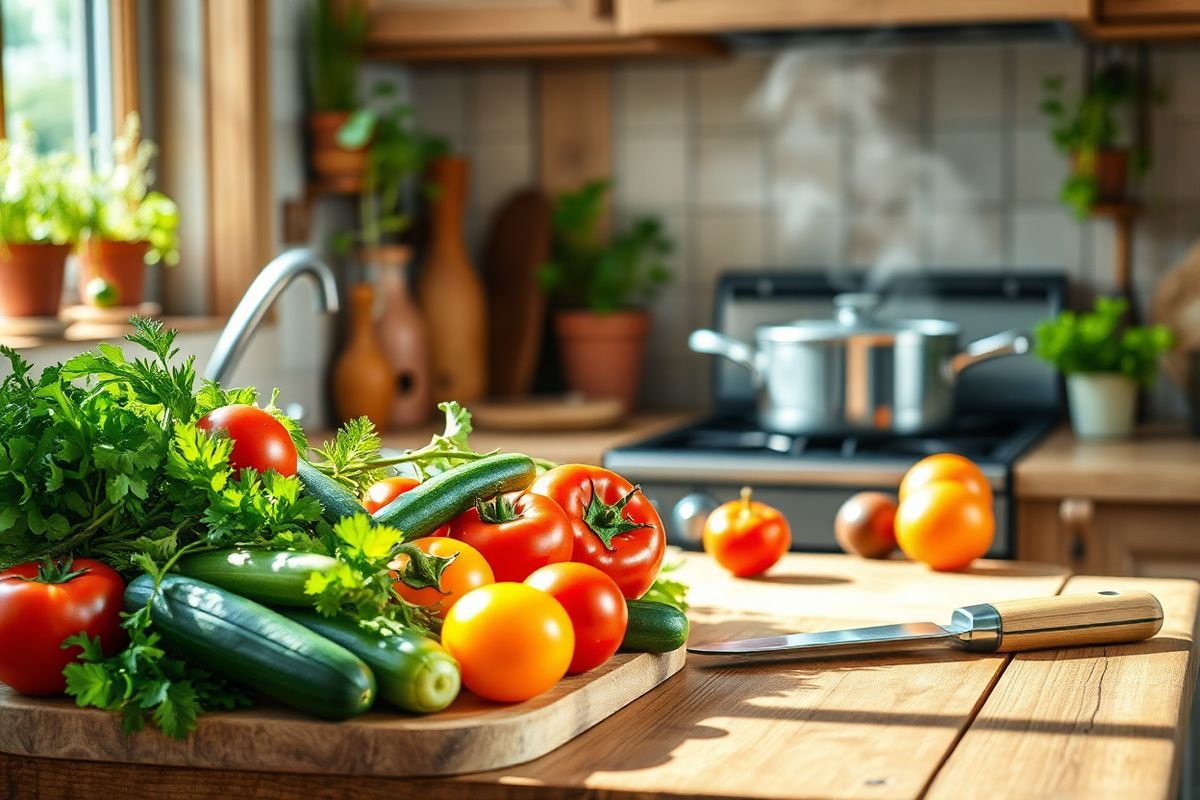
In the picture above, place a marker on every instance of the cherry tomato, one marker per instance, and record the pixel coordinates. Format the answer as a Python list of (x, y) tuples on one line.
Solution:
[(945, 525), (41, 605), (383, 492), (746, 537), (517, 533), (467, 571), (946, 467), (615, 526), (595, 605), (260, 441), (512, 641)]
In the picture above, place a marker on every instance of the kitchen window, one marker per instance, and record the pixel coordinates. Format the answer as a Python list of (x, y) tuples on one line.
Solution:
[(56, 49)]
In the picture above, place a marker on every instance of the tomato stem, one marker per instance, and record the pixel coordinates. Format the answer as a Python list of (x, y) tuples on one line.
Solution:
[(607, 520), (746, 492), (496, 511), (50, 571)]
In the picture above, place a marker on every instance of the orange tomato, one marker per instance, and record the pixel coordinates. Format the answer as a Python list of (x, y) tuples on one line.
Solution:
[(511, 641), (467, 571), (945, 525), (946, 467), (746, 537)]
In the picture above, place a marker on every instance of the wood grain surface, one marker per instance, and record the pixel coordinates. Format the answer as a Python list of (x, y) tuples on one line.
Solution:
[(1101, 722), (880, 728), (471, 735)]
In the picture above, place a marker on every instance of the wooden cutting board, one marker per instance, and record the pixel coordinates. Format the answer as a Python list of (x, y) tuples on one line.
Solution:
[(517, 244), (470, 736)]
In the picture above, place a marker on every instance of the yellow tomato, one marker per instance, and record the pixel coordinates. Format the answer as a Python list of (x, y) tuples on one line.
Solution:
[(945, 525), (512, 641)]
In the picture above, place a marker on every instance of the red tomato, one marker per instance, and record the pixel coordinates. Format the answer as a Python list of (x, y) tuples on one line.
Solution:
[(383, 492), (467, 571), (260, 441), (595, 605), (40, 607), (745, 537), (616, 528), (517, 533)]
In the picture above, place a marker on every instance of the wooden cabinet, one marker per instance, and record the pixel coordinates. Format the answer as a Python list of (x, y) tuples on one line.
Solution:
[(715, 16), (1152, 540), (1149, 10), (439, 22)]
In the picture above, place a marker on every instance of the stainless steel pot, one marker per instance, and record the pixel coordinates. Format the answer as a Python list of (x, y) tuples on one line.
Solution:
[(855, 373)]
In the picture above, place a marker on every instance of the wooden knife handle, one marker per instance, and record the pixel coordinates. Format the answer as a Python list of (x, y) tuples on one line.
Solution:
[(1075, 620)]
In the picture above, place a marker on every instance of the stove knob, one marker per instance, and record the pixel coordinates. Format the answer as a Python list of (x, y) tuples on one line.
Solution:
[(688, 517)]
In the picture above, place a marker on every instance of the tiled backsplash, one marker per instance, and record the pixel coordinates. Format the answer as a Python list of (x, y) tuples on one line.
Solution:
[(832, 158)]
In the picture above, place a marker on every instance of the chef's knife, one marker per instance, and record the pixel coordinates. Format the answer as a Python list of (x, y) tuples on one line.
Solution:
[(1065, 621)]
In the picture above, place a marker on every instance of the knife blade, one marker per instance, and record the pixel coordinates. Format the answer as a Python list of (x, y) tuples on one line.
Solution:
[(1108, 617)]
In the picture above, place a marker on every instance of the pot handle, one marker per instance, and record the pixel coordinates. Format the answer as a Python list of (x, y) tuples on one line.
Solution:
[(1008, 343), (718, 344)]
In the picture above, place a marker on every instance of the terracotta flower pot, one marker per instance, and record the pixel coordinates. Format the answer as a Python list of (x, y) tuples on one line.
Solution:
[(122, 265), (1110, 170), (335, 166), (31, 279), (602, 353)]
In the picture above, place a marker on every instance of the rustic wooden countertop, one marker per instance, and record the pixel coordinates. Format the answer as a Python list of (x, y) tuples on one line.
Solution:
[(563, 447), (1103, 722), (1160, 464)]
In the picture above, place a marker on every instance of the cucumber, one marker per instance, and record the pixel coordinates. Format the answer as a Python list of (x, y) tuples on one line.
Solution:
[(414, 672), (256, 647), (273, 577), (654, 628), (421, 511), (336, 500)]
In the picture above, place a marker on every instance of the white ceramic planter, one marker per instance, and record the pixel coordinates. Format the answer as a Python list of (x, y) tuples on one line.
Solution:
[(1103, 404)]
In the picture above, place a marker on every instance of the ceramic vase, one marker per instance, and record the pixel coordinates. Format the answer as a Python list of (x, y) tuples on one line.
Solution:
[(362, 376), (451, 293), (402, 338)]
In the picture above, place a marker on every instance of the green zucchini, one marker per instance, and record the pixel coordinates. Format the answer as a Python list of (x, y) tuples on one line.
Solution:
[(654, 628), (336, 500), (273, 577), (421, 511), (414, 672), (256, 647)]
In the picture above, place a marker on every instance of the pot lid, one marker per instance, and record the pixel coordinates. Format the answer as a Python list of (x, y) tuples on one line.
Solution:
[(854, 315)]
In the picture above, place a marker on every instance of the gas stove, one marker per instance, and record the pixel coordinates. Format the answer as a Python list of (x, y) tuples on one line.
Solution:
[(1003, 410)]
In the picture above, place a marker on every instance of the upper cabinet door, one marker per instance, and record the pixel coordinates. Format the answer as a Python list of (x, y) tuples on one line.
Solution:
[(433, 22), (714, 16)]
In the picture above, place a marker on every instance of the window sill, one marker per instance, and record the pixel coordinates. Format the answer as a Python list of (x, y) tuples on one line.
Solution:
[(89, 331)]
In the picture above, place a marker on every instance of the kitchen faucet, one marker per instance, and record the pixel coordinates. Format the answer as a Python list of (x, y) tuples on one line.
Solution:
[(266, 288)]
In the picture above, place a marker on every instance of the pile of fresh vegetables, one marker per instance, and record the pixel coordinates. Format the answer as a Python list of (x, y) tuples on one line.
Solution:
[(167, 550)]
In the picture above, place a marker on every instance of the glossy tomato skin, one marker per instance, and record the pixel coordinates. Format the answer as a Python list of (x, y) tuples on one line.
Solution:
[(633, 558), (385, 491), (512, 641), (746, 537), (946, 467), (945, 525), (36, 617), (595, 605), (260, 441), (540, 534), (467, 572)]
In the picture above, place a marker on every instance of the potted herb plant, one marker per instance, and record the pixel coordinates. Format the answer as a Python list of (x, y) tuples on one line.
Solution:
[(396, 152), (1093, 137), (600, 286), (41, 215), (128, 226), (336, 35), (1104, 363)]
